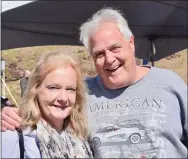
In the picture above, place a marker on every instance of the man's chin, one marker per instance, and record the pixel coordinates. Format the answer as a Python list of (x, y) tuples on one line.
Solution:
[(116, 83)]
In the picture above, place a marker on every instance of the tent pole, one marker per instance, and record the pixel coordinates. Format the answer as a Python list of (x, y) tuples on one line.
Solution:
[(9, 92), (153, 50)]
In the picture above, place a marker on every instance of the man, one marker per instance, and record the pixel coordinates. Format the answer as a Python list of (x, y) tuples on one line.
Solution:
[(133, 111), (23, 81)]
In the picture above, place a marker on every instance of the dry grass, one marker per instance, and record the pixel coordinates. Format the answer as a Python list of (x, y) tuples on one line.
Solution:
[(178, 64), (26, 58)]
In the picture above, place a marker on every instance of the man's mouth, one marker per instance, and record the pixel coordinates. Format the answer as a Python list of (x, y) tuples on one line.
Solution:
[(114, 68)]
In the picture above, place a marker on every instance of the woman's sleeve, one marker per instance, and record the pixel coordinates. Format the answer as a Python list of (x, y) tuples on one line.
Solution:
[(10, 144)]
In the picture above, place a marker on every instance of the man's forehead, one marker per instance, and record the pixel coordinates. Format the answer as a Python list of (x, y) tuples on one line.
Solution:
[(108, 46)]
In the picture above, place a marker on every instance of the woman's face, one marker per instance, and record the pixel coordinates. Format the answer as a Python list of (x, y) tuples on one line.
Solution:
[(57, 95)]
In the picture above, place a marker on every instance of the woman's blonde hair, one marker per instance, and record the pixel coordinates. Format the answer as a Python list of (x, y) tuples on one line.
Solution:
[(30, 109)]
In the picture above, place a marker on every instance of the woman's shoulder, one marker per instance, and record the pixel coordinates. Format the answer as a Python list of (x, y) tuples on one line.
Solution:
[(10, 137), (31, 143), (10, 144)]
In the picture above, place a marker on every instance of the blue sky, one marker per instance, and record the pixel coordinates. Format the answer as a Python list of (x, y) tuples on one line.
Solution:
[(7, 5)]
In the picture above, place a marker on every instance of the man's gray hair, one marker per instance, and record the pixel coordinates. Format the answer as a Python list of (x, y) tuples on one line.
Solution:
[(101, 16)]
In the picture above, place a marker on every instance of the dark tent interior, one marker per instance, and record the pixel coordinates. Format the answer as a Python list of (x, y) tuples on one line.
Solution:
[(160, 26)]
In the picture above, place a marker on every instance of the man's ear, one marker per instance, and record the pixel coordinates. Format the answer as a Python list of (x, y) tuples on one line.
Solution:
[(131, 42)]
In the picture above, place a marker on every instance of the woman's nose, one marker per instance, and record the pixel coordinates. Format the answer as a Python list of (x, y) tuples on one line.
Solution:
[(62, 96)]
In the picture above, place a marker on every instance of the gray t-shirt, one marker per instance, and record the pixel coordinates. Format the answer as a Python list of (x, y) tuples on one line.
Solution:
[(145, 120)]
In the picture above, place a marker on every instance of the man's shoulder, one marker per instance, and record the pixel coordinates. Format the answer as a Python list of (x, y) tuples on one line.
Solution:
[(91, 80), (162, 70), (165, 72), (166, 76)]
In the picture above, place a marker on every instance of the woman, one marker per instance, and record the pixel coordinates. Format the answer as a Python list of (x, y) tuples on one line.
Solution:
[(53, 120)]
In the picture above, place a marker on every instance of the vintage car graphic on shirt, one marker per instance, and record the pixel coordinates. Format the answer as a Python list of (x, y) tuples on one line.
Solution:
[(128, 130)]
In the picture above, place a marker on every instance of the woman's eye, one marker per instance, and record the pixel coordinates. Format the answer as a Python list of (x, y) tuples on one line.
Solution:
[(52, 87), (71, 89)]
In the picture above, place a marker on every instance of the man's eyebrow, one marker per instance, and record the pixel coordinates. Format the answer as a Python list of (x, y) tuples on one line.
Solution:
[(98, 51), (113, 45)]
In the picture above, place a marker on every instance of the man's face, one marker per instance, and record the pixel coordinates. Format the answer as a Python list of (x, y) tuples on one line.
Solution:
[(113, 56)]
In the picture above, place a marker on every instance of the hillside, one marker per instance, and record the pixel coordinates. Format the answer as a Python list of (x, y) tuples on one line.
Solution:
[(17, 60)]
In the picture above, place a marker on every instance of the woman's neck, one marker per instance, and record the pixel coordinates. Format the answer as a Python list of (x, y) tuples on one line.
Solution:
[(57, 125)]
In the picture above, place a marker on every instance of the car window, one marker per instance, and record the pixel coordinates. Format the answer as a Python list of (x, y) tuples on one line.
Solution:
[(100, 130), (109, 128)]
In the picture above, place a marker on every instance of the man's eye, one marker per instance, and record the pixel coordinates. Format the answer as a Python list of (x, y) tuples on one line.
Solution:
[(99, 55), (115, 49)]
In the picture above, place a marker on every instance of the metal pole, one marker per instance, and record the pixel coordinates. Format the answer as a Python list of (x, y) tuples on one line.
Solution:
[(153, 50), (9, 92), (4, 94), (3, 76)]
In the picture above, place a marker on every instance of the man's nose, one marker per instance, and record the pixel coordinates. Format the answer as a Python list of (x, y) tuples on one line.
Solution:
[(109, 57)]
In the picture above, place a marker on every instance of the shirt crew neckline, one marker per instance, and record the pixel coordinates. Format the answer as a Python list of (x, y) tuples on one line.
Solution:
[(121, 90)]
